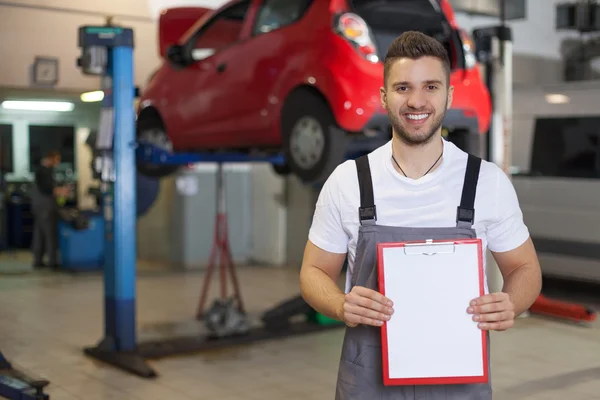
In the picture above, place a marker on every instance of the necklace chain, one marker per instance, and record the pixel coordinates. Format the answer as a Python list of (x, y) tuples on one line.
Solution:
[(430, 168)]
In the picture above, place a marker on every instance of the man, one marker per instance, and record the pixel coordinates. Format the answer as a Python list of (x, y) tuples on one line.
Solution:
[(45, 212), (412, 189)]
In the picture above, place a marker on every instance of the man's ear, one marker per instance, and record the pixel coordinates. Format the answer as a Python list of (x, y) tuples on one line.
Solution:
[(450, 96), (383, 97)]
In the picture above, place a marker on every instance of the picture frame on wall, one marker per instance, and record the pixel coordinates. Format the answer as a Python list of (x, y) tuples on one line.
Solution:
[(45, 71)]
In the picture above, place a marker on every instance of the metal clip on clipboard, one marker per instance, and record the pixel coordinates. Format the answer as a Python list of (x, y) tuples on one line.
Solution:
[(421, 249)]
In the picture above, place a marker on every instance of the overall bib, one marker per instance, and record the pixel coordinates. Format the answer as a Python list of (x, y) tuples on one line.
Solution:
[(360, 375)]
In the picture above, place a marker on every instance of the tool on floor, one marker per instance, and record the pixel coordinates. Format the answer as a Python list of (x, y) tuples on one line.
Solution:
[(225, 319), (16, 385), (562, 310)]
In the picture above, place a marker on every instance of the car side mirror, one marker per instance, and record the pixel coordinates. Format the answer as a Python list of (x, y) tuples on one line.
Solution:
[(176, 55)]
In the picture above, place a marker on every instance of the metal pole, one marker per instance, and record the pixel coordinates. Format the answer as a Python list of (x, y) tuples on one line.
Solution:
[(501, 141), (125, 199), (221, 232)]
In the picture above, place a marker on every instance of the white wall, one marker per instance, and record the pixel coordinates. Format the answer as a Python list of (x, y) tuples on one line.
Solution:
[(155, 6), (31, 28), (269, 210)]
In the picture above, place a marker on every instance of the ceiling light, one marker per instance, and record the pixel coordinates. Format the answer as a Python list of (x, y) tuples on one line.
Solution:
[(62, 106), (557, 98), (90, 97)]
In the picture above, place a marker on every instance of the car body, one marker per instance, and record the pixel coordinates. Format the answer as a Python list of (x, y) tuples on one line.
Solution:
[(300, 77)]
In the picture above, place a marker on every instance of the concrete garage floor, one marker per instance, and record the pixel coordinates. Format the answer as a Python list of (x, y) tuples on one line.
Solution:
[(47, 318)]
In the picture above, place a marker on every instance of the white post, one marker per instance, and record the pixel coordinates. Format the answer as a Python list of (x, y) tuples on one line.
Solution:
[(502, 129)]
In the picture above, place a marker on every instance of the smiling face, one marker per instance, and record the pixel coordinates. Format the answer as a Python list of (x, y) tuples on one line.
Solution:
[(416, 96)]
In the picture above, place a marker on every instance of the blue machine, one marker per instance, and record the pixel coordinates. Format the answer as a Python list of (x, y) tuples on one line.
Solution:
[(82, 249)]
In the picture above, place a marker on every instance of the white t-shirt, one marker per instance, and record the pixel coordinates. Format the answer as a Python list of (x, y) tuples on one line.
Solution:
[(430, 201)]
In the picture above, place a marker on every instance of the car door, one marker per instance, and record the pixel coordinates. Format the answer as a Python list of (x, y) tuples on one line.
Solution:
[(211, 50), (259, 61)]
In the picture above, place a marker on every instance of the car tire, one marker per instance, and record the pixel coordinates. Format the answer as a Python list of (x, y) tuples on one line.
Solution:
[(151, 129), (313, 144)]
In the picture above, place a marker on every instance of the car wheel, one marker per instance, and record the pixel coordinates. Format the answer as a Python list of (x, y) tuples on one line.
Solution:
[(313, 143), (150, 130)]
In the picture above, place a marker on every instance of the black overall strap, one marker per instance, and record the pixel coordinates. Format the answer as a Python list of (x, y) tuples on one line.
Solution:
[(366, 211), (465, 215)]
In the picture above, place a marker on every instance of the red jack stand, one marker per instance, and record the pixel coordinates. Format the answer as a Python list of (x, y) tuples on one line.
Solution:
[(221, 249), (559, 309)]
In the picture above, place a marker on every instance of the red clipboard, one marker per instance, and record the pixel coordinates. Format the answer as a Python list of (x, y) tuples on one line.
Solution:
[(422, 354)]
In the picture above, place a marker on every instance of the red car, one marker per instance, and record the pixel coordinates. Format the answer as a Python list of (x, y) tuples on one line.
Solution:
[(298, 77)]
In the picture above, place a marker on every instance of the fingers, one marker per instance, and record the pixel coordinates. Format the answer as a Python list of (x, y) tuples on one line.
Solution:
[(490, 298), (367, 303), (373, 295), (496, 326), (490, 308), (494, 317), (353, 319), (366, 306), (363, 315), (493, 302), (494, 311)]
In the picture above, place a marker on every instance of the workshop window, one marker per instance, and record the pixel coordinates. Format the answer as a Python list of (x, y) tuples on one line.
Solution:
[(275, 14), (45, 138), (6, 148), (566, 147), (224, 30)]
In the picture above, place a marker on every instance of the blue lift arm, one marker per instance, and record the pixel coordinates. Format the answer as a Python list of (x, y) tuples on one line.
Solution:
[(150, 154)]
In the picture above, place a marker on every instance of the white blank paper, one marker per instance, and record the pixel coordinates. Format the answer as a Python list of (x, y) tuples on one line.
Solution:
[(431, 335)]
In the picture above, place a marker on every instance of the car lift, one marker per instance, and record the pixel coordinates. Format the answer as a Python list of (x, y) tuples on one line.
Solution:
[(494, 51), (15, 385), (107, 51)]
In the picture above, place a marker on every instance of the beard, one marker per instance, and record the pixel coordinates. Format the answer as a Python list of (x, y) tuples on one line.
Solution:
[(419, 138)]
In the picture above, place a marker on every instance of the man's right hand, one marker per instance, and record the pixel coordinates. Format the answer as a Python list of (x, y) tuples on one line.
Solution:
[(367, 307)]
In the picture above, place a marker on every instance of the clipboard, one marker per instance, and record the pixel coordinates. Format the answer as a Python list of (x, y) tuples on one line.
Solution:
[(431, 339)]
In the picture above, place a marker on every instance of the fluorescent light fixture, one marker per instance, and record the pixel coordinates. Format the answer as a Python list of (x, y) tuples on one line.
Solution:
[(557, 98), (91, 97), (27, 105)]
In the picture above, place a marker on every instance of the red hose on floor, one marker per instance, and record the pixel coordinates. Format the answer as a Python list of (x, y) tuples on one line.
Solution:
[(560, 309)]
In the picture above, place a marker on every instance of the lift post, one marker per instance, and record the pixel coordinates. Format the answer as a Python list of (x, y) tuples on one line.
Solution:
[(107, 51), (494, 51)]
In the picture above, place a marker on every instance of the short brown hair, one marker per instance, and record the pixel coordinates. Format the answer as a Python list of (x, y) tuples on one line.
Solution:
[(414, 45)]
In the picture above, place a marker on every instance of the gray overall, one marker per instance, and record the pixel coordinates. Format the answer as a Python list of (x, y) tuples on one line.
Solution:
[(360, 375)]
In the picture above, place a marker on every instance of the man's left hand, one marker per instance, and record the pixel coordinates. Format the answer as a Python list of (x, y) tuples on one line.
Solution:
[(493, 312)]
